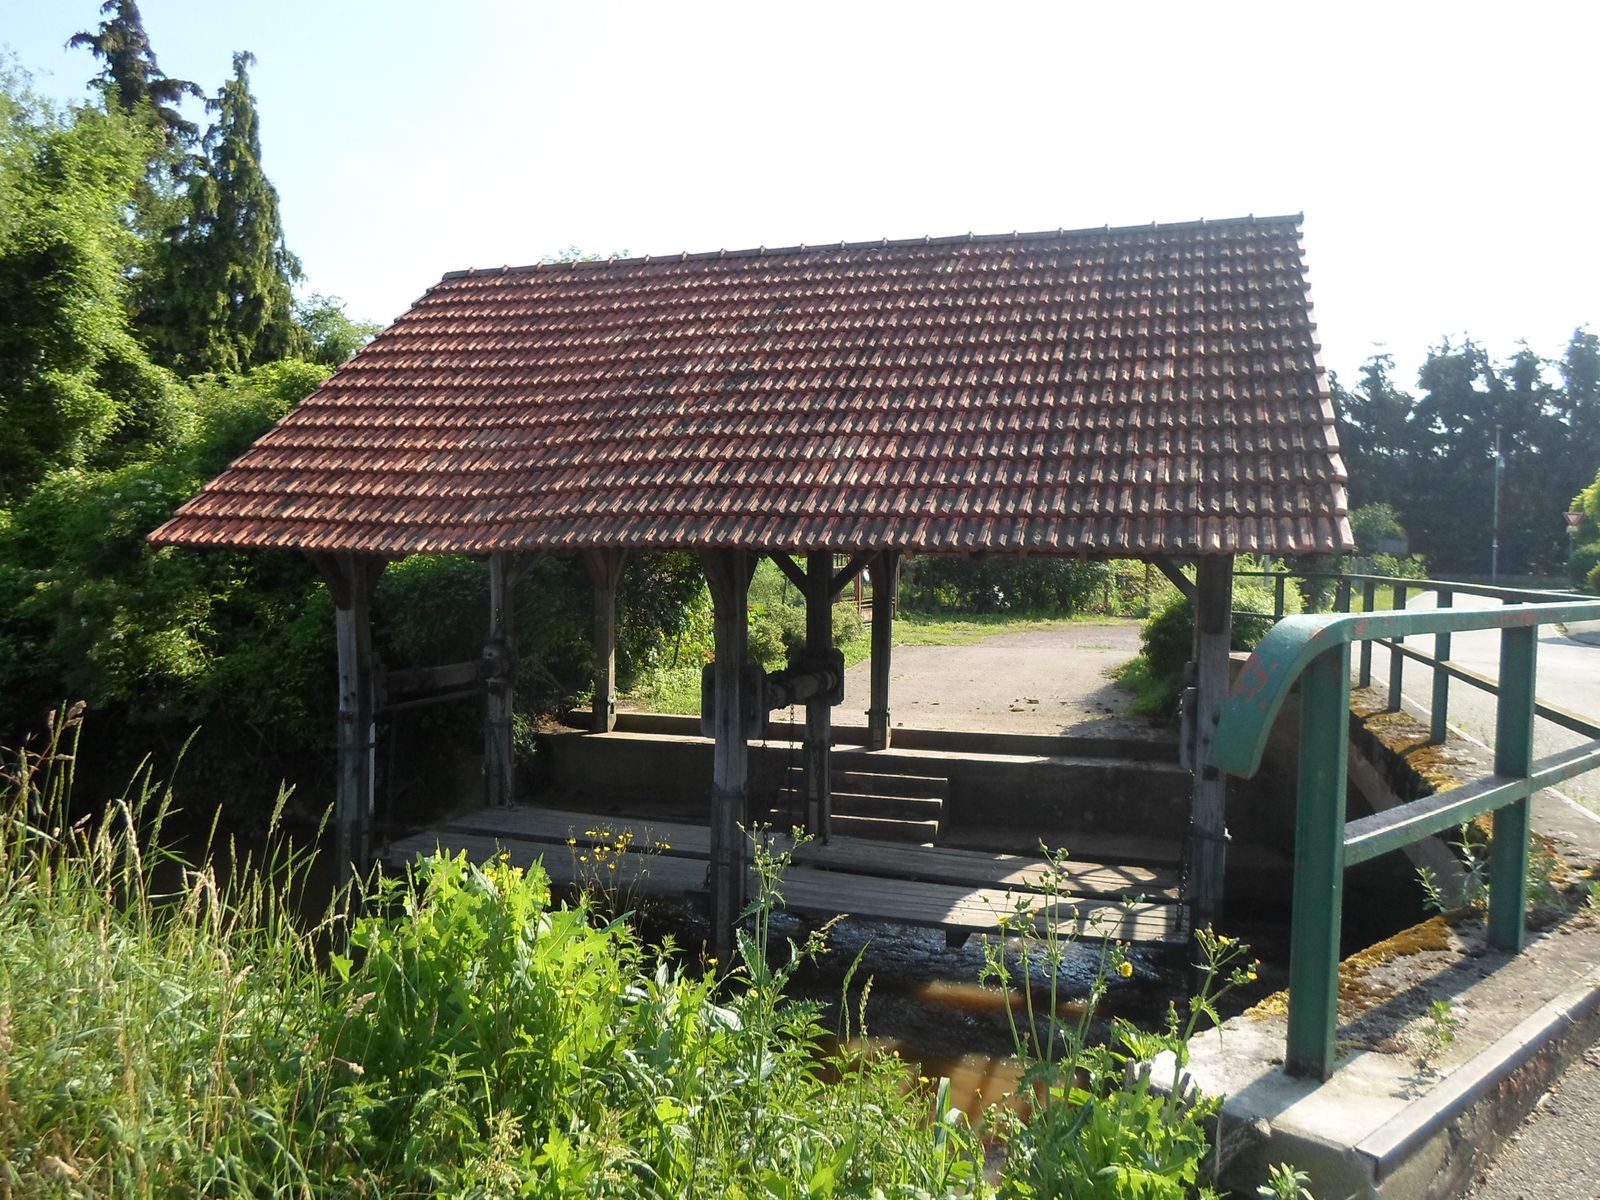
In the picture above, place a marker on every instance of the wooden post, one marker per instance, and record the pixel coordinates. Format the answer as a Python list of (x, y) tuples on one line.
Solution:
[(500, 659), (728, 573), (351, 579), (1208, 830), (605, 568), (819, 712), (885, 593)]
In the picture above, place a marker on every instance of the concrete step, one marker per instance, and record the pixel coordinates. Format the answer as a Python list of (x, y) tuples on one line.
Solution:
[(901, 808), (885, 830), (880, 783), (1156, 747)]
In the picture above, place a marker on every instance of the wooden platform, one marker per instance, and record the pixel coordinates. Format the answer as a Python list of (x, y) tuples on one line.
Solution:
[(963, 891)]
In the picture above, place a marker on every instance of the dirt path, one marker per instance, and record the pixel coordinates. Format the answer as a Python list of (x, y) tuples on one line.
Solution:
[(1051, 681)]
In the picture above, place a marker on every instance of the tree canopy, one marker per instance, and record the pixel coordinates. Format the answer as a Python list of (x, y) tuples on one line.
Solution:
[(129, 73), (222, 296), (1433, 456)]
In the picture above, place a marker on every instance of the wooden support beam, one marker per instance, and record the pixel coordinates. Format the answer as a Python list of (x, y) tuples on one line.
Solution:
[(500, 674), (851, 570), (728, 574), (1171, 570), (885, 596), (605, 569), (1208, 830), (815, 752), (352, 580), (791, 570)]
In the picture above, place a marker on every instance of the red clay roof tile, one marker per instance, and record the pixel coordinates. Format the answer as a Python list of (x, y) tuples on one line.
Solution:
[(1146, 390)]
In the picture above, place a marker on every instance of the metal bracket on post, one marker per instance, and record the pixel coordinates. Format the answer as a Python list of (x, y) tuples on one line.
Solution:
[(728, 574)]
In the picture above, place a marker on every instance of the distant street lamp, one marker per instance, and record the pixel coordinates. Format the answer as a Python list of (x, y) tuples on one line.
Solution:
[(1494, 551)]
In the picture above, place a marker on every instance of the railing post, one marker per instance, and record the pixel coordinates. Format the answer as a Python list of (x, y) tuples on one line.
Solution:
[(1277, 598), (1318, 863), (1369, 597), (1513, 756), (1438, 729), (1341, 595), (1397, 660)]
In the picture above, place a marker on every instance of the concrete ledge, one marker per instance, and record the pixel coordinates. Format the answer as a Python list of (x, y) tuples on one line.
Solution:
[(1159, 746), (1436, 1146), (1386, 1126)]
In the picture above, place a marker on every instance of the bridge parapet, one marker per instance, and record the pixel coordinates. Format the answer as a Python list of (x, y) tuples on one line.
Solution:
[(1313, 652)]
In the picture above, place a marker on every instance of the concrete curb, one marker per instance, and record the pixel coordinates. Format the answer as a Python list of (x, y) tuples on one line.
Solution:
[(1427, 1136)]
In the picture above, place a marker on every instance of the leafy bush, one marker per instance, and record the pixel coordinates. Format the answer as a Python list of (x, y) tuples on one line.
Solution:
[(1095, 1127), (1374, 524), (179, 1038), (991, 583), (1409, 567), (1168, 637), (777, 634), (1167, 644)]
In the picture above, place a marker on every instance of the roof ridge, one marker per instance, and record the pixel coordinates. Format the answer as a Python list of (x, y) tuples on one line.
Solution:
[(882, 244)]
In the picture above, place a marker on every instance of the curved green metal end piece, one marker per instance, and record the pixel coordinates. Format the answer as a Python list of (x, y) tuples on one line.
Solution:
[(1290, 645), (1260, 689)]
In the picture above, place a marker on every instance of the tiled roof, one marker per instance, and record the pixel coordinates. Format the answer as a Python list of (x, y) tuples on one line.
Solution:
[(1108, 391)]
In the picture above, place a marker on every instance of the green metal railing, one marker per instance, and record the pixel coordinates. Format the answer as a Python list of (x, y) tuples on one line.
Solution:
[(1345, 587), (1315, 652)]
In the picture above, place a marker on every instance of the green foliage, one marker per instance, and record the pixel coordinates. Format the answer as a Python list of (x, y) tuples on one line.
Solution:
[(1374, 524), (330, 335), (1286, 1183), (219, 296), (130, 76), (168, 639), (174, 1033), (1584, 565), (1432, 458), (1167, 642), (75, 387), (992, 583), (1153, 696), (1095, 1127)]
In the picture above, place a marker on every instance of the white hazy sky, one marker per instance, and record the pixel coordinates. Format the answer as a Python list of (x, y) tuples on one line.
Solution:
[(1444, 155)]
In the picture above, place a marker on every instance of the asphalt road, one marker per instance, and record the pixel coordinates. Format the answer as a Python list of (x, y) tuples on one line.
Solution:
[(1568, 676), (1555, 1156)]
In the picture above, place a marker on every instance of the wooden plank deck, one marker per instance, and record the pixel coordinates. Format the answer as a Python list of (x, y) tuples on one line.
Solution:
[(965, 891)]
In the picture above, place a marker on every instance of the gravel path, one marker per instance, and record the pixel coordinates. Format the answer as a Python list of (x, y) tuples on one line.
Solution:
[(1049, 681)]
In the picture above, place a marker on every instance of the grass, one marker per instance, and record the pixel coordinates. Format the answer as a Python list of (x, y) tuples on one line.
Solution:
[(1153, 695), (932, 629), (1383, 598), (167, 1033), (462, 1036)]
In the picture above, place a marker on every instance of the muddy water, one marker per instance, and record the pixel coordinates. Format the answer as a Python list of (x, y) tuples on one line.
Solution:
[(926, 1001)]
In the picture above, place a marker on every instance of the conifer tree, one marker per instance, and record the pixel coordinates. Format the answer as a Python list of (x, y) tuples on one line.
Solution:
[(223, 298), (130, 75)]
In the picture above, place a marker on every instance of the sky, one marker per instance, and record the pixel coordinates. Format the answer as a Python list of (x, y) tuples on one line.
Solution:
[(1444, 155)]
